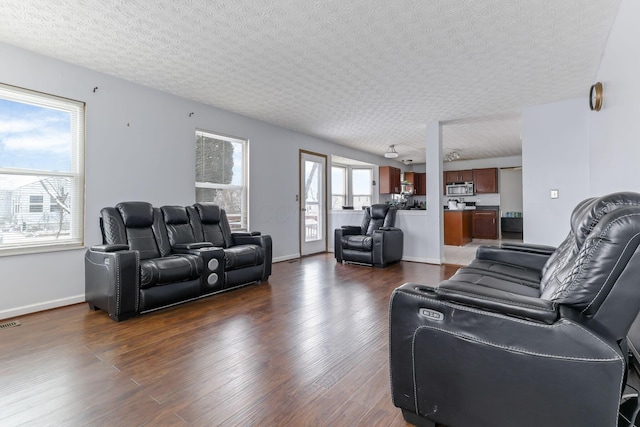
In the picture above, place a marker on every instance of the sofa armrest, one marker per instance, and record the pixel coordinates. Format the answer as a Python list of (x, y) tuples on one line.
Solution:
[(531, 260), (388, 245), (190, 246), (460, 348), (246, 240), (337, 244), (352, 227), (112, 282), (109, 248), (245, 233), (350, 230), (531, 248), (499, 301), (262, 240)]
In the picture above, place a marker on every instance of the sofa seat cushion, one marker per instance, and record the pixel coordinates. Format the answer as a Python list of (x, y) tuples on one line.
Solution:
[(243, 256), (170, 269), (512, 285), (509, 270), (358, 242)]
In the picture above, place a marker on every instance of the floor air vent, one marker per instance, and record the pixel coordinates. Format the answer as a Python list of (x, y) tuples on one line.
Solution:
[(9, 324)]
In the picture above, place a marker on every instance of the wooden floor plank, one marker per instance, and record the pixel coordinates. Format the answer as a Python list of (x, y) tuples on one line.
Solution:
[(308, 347)]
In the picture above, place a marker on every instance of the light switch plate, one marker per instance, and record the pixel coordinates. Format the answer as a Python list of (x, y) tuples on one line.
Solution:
[(554, 194)]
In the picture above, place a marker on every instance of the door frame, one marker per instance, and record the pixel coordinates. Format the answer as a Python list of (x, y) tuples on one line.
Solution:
[(325, 212)]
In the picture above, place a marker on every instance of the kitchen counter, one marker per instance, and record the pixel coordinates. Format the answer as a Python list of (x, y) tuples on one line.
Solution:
[(476, 208)]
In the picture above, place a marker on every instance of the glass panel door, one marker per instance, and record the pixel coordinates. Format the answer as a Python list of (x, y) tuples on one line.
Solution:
[(313, 213)]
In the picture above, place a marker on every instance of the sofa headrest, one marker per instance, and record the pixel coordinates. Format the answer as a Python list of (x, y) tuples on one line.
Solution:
[(589, 213), (208, 212), (379, 211), (136, 214), (175, 215), (600, 263)]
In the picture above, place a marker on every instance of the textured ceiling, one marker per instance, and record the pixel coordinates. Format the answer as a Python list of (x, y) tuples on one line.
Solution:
[(365, 74)]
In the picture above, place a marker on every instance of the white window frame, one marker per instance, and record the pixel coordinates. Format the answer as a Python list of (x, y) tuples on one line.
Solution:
[(76, 109), (343, 184), (243, 187)]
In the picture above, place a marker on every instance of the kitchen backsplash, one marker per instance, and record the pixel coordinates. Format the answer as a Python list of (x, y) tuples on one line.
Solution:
[(480, 199)]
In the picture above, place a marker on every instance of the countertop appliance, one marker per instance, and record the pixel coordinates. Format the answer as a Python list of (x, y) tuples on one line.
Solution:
[(460, 189)]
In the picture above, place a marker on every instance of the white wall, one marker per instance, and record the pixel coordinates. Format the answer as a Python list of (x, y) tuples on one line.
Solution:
[(140, 146), (615, 130), (555, 155)]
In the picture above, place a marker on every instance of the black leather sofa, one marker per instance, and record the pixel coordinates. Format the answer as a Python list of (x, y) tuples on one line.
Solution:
[(375, 242), (525, 335), (156, 257)]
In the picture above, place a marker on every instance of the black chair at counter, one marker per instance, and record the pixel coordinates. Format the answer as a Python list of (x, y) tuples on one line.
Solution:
[(376, 242)]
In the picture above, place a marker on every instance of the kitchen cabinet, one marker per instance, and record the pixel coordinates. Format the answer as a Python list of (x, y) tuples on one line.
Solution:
[(457, 227), (485, 224), (421, 184), (485, 180), (389, 178), (458, 176), (450, 177), (418, 182)]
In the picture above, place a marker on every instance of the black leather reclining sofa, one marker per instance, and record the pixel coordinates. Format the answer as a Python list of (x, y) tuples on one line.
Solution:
[(525, 335), (156, 257)]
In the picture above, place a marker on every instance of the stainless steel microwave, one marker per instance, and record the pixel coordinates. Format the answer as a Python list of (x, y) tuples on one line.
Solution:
[(460, 189)]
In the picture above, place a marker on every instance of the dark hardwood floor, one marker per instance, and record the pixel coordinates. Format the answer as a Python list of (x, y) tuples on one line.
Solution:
[(307, 348)]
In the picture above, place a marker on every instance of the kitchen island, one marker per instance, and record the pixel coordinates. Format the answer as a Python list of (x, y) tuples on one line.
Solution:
[(457, 227)]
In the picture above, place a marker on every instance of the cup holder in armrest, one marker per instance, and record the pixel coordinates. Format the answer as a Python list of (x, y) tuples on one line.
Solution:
[(425, 289)]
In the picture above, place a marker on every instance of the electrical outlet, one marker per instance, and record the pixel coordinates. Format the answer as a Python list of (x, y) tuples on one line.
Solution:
[(554, 194)]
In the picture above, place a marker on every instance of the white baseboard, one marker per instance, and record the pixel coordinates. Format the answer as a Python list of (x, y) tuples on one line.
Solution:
[(285, 258), (47, 305), (422, 260), (416, 259)]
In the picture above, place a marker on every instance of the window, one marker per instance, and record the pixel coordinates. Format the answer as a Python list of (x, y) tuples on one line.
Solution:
[(35, 203), (361, 187), (221, 175), (41, 160), (338, 187), (351, 185), (55, 204)]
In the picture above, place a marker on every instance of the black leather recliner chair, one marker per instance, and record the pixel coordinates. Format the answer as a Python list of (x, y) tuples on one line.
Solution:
[(376, 242), (525, 335)]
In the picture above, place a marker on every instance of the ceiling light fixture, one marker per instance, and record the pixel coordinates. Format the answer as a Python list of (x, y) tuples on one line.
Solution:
[(391, 152), (451, 156)]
